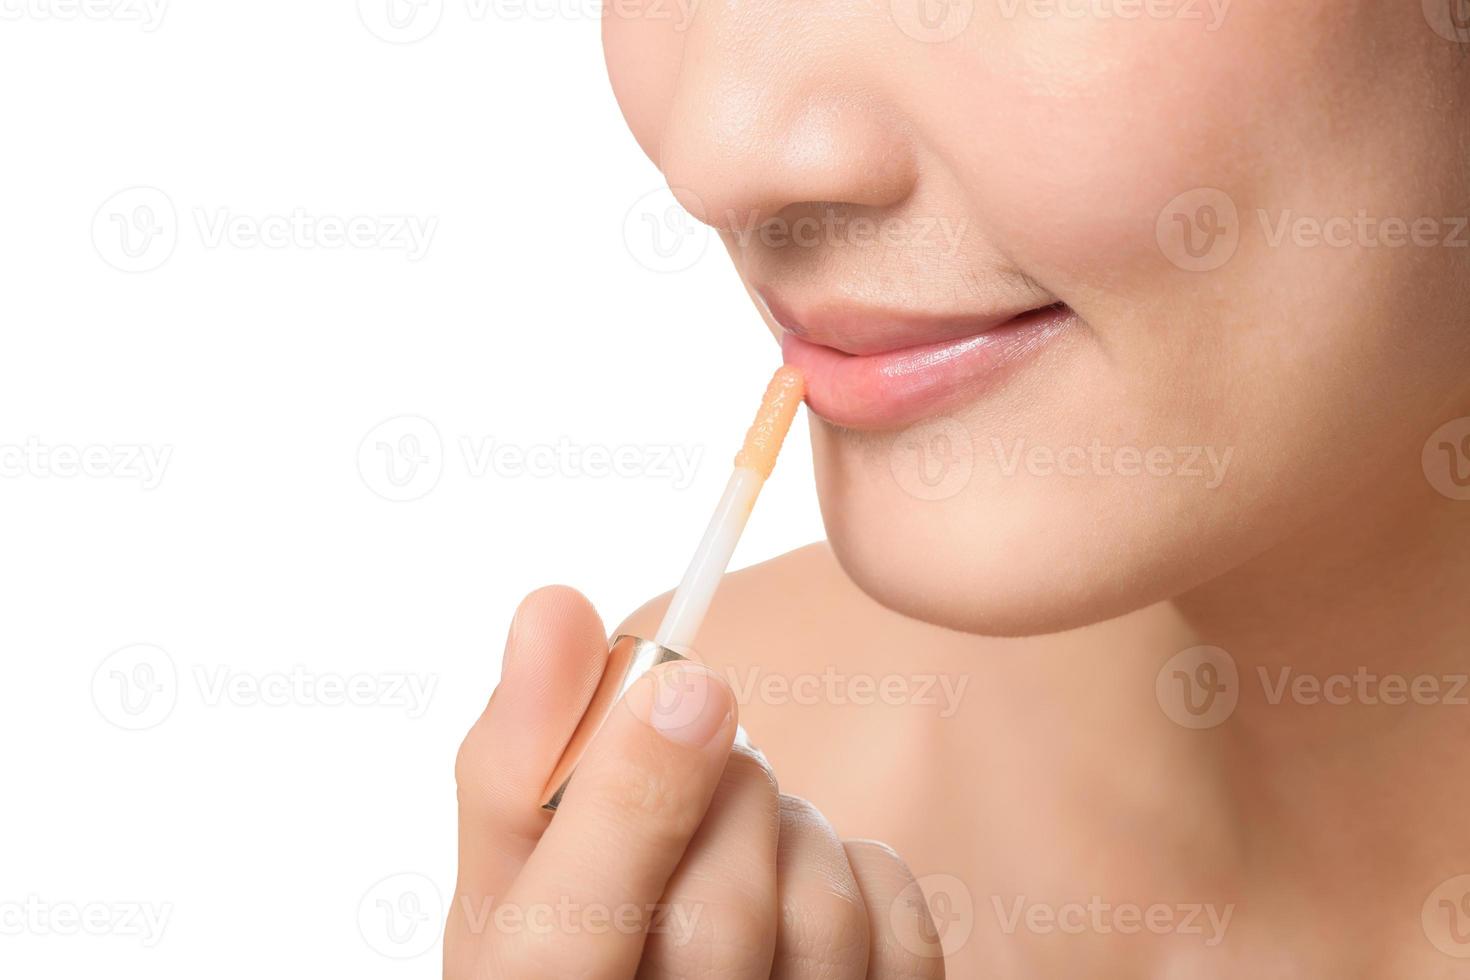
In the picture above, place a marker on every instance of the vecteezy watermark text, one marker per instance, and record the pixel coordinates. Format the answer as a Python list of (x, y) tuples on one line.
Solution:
[(410, 21), (34, 916), (298, 687), (408, 233), (565, 917), (486, 456), (1364, 230), (138, 687), (842, 689), (1201, 687), (1363, 686), (62, 461), (1211, 13), (402, 459), (1102, 918), (148, 14), (138, 229), (834, 228), (1205, 463)]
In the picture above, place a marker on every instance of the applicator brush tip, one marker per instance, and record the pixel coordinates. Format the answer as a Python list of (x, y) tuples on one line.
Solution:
[(778, 408)]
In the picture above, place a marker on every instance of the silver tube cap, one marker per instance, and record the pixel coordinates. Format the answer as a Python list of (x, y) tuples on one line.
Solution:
[(629, 658)]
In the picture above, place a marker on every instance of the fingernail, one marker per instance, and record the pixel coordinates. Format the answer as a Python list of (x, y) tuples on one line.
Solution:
[(684, 702)]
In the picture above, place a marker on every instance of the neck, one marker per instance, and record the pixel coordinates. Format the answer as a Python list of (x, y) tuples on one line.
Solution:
[(1351, 644)]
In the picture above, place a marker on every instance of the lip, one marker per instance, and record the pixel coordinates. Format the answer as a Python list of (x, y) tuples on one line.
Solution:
[(865, 370)]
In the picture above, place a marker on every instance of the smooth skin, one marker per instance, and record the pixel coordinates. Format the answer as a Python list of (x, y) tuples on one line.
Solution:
[(1318, 817)]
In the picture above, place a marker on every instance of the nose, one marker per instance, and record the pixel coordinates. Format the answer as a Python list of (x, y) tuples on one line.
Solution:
[(757, 125)]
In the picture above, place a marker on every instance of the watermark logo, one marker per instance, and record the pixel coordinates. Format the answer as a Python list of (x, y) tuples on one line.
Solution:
[(400, 21), (1446, 917), (680, 695), (932, 21), (1199, 687), (400, 916), (1446, 459), (661, 234), (136, 687), (933, 460), (1199, 230), (1450, 19), (932, 916), (401, 459), (136, 229)]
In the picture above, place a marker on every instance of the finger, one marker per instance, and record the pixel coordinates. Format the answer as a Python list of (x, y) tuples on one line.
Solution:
[(824, 920), (554, 656), (637, 798), (718, 915), (903, 942)]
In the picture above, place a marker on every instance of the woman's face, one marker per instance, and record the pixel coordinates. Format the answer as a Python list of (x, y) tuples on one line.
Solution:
[(1097, 299)]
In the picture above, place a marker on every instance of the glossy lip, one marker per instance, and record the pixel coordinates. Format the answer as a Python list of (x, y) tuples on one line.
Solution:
[(864, 370)]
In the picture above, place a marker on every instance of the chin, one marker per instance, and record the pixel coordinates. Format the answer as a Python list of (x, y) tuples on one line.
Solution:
[(1005, 555)]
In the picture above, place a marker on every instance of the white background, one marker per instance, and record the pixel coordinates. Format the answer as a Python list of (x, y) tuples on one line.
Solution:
[(254, 820)]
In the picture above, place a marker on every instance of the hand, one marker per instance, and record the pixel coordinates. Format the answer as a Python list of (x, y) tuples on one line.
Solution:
[(672, 856)]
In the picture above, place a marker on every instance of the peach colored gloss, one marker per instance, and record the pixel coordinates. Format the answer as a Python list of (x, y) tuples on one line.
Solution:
[(772, 422)]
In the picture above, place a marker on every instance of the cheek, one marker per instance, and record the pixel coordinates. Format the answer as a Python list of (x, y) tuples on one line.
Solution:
[(1079, 140), (1080, 131)]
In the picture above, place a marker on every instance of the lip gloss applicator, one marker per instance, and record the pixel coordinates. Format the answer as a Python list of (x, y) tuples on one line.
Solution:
[(630, 657)]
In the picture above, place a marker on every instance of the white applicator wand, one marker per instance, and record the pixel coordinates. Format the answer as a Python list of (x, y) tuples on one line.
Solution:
[(753, 465), (630, 656)]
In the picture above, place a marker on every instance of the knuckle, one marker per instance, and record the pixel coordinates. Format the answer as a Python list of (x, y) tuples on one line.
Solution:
[(892, 961), (826, 929), (542, 954), (473, 762), (797, 813), (522, 956), (879, 868), (903, 944), (880, 853), (750, 768), (711, 938)]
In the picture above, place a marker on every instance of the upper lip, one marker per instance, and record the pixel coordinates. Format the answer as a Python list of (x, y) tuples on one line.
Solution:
[(856, 329)]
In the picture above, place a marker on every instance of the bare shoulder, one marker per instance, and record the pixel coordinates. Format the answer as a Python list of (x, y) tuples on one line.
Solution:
[(804, 650)]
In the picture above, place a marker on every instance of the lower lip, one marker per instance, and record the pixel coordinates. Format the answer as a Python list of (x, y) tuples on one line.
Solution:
[(894, 388)]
